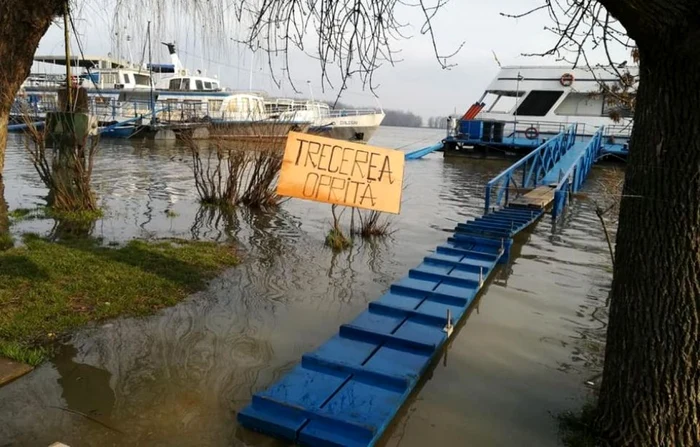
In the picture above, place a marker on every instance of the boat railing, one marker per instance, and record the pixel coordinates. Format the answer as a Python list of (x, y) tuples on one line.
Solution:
[(339, 113), (516, 129), (572, 180), (528, 172)]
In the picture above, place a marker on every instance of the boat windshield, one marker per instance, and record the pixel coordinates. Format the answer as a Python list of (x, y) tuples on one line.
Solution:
[(501, 101)]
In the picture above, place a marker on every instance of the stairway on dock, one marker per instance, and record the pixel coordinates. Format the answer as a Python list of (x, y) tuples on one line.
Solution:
[(347, 392)]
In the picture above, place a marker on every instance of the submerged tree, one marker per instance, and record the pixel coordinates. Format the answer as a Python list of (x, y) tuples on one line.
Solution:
[(23, 25)]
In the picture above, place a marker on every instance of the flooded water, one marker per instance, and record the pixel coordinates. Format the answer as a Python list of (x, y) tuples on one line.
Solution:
[(179, 377)]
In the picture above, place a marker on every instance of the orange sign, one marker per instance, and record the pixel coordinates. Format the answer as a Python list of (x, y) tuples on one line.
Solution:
[(343, 173)]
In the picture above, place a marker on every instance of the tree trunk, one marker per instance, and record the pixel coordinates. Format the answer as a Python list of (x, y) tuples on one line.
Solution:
[(650, 393), (22, 26), (4, 211)]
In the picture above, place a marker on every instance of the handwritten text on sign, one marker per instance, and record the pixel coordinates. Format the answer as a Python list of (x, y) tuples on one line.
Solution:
[(343, 173)]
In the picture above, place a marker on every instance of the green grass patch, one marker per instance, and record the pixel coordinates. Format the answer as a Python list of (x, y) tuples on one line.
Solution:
[(49, 288), (20, 214), (336, 240), (578, 429), (6, 241), (87, 216), (20, 352)]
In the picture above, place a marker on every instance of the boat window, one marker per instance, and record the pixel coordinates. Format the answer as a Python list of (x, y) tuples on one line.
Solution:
[(215, 105), (501, 102), (174, 84), (185, 84), (207, 85), (109, 78), (232, 105), (581, 104), (199, 84), (141, 79), (127, 80), (215, 85), (539, 102), (245, 106)]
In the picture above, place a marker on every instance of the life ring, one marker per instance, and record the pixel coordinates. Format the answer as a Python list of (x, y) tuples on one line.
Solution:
[(567, 79), (532, 133)]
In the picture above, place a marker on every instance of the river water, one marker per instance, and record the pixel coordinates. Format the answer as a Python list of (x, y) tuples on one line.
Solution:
[(178, 378)]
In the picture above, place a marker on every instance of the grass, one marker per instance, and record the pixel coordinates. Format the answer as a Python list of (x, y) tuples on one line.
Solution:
[(19, 352), (336, 240), (20, 213), (170, 214), (43, 212), (6, 241), (84, 216), (48, 288), (371, 225), (578, 429)]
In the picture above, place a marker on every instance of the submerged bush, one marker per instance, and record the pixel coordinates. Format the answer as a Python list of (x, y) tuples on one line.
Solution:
[(371, 225), (64, 165), (235, 172), (335, 238)]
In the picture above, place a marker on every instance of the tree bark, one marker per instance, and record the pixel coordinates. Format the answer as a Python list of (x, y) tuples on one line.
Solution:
[(4, 211), (650, 393), (22, 26)]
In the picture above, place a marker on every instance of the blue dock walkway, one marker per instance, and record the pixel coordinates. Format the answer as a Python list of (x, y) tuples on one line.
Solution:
[(557, 171), (348, 391)]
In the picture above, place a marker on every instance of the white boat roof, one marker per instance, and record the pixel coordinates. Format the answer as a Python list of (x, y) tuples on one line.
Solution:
[(85, 62)]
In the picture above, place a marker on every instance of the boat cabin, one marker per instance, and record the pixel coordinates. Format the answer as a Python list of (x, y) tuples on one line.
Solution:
[(534, 103), (190, 83)]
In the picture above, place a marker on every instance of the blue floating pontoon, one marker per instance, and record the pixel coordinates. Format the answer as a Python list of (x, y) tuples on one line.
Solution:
[(348, 391)]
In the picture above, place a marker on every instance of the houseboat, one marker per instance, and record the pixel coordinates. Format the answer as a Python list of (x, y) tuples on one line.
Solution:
[(524, 106)]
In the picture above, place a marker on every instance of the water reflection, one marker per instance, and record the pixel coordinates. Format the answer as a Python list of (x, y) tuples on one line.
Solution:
[(85, 388), (70, 229), (215, 223)]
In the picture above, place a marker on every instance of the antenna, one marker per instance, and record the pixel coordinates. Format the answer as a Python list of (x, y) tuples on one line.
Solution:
[(250, 76), (150, 76), (311, 90)]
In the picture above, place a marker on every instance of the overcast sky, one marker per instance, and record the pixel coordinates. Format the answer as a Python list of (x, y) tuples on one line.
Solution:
[(417, 83)]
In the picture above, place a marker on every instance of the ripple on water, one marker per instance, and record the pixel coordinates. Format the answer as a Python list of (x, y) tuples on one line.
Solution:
[(178, 377)]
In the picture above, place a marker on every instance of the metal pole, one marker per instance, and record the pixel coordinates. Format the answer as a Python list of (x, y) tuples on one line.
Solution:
[(66, 37), (250, 75), (150, 75), (517, 100)]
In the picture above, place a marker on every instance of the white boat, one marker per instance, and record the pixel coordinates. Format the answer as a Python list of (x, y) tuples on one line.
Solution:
[(344, 124), (525, 105), (122, 93)]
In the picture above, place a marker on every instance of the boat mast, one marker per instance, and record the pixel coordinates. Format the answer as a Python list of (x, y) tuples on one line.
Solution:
[(517, 100), (151, 104), (250, 75), (116, 36), (66, 37)]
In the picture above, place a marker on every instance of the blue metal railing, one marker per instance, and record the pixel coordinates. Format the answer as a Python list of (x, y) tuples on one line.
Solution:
[(528, 172), (573, 179)]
